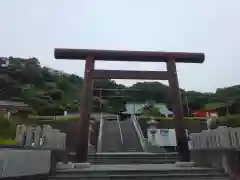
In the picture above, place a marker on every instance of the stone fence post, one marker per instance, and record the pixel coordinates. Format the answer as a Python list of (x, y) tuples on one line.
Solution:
[(43, 138)]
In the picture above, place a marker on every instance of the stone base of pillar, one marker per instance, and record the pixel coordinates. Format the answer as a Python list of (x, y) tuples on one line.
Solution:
[(82, 165), (61, 166), (185, 164)]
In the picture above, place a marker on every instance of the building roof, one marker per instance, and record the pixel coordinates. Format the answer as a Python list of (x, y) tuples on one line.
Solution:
[(13, 105), (139, 106), (215, 106)]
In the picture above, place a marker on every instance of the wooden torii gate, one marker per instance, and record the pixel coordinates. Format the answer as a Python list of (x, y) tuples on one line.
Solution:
[(171, 58)]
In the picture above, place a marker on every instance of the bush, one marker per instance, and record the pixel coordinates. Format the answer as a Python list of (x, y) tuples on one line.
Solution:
[(53, 118), (171, 118), (7, 128), (7, 142), (229, 121)]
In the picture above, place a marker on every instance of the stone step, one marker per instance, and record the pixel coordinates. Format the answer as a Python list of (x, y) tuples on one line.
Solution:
[(111, 137), (143, 172), (131, 158), (134, 155), (130, 137)]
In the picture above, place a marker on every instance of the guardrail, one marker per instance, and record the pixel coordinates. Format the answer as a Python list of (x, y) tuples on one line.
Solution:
[(143, 140), (99, 144), (220, 138), (120, 129), (42, 138), (220, 148)]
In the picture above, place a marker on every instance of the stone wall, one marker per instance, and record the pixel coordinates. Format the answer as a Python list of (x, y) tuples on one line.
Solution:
[(218, 148), (69, 127), (40, 137)]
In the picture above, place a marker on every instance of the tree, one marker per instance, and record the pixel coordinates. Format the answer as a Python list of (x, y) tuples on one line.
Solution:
[(50, 92)]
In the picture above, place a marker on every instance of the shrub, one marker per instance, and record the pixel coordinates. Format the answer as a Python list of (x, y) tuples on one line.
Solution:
[(229, 121), (7, 142), (171, 118), (7, 128)]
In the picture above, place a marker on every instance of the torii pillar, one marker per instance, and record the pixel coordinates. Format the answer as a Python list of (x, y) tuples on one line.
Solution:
[(171, 58)]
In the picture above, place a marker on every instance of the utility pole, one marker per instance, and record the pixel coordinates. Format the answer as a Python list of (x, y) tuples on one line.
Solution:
[(100, 105), (188, 112)]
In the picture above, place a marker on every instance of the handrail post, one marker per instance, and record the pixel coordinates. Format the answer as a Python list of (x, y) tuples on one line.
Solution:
[(99, 144), (120, 129), (138, 129)]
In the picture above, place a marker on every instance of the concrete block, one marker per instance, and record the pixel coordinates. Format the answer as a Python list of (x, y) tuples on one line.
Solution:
[(48, 138), (185, 164), (15, 163), (82, 165), (29, 136), (224, 137), (37, 136), (61, 166), (20, 134)]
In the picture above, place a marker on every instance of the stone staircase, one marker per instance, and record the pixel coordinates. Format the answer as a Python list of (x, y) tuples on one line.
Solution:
[(111, 139), (131, 142), (140, 171), (112, 164), (133, 158)]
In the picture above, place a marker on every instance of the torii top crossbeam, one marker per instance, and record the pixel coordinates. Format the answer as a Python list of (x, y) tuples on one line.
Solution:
[(141, 56)]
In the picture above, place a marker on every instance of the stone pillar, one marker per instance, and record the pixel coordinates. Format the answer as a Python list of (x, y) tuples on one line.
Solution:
[(20, 135), (29, 136), (38, 132), (47, 136)]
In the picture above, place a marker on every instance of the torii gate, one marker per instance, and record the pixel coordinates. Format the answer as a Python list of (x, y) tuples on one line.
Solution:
[(171, 58)]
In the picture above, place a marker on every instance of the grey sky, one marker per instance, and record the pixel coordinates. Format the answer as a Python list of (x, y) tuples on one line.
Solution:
[(34, 28)]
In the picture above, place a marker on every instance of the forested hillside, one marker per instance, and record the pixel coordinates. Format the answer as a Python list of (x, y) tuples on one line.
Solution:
[(50, 92)]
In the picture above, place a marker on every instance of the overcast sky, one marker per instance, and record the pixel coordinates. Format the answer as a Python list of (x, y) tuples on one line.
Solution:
[(31, 28)]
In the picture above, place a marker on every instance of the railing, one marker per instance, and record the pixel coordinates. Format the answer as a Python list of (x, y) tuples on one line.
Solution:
[(143, 140), (43, 138), (220, 148), (99, 144), (120, 129), (220, 138), (32, 155)]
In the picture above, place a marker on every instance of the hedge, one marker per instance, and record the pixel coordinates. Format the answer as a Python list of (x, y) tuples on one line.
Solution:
[(171, 118), (7, 142), (7, 128), (230, 121), (54, 118)]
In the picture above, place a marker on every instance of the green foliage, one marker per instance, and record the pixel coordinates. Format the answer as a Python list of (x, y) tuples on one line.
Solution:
[(7, 128), (229, 121), (7, 142), (50, 92), (159, 118)]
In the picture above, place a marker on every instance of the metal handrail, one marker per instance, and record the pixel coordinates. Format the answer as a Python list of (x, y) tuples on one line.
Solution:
[(99, 145), (120, 129), (138, 129)]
